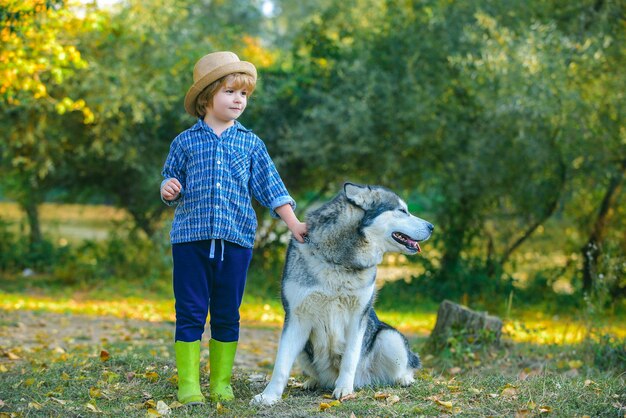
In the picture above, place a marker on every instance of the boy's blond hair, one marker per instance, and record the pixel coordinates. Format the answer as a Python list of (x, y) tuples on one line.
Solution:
[(236, 81)]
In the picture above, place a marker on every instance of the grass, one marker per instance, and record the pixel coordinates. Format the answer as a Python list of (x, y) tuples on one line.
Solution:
[(137, 378), (110, 353)]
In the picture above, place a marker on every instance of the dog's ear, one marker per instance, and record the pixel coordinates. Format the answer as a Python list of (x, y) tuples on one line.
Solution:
[(357, 195)]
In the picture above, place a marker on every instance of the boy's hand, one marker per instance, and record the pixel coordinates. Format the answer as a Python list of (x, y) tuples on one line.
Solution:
[(299, 230), (171, 189)]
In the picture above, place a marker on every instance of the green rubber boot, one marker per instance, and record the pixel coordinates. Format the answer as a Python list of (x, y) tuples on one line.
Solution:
[(188, 364), (222, 357)]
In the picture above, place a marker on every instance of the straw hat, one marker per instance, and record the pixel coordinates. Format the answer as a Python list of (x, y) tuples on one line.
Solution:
[(210, 68)]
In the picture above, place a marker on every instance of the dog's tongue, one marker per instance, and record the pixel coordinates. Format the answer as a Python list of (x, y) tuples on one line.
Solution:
[(414, 244)]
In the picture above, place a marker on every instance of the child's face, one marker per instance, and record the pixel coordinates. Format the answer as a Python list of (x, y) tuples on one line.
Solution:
[(228, 103)]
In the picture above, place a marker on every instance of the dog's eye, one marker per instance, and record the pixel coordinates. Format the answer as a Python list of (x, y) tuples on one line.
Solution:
[(403, 211)]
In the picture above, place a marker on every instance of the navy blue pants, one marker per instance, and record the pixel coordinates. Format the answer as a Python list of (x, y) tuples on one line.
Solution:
[(209, 277)]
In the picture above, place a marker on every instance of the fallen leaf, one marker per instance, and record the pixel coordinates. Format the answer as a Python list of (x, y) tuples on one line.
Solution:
[(95, 392), (509, 392), (3, 368), (348, 397), (35, 405), (393, 399), (59, 401), (545, 409), (153, 413), (380, 395), (324, 406), (104, 355), (221, 409), (176, 404), (327, 396), (162, 408), (446, 404), (93, 408), (12, 356), (152, 376), (523, 413)]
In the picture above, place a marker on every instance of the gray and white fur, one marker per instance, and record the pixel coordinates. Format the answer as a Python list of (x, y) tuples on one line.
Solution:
[(328, 290)]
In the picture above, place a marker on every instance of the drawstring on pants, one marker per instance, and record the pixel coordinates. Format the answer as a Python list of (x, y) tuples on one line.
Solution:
[(212, 250)]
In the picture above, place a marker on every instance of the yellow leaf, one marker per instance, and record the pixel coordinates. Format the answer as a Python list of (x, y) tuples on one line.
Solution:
[(150, 404), (3, 368), (221, 409), (446, 404), (29, 382), (393, 399), (12, 356), (509, 392), (176, 404), (545, 409), (327, 396), (324, 406), (34, 405), (152, 376), (93, 408), (380, 395), (104, 355), (95, 392), (153, 413), (335, 403)]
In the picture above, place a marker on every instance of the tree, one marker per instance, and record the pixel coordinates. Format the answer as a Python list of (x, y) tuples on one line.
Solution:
[(36, 62)]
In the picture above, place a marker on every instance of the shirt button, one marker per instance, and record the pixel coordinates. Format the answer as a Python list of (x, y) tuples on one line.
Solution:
[(219, 162), (217, 206), (218, 185)]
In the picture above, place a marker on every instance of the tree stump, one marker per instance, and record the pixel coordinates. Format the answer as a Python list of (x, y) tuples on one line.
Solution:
[(460, 322)]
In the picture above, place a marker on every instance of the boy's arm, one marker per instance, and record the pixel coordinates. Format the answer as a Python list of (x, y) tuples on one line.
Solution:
[(174, 174), (297, 228)]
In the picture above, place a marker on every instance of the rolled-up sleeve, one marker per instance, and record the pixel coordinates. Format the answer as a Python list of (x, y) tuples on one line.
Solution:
[(174, 167), (265, 183)]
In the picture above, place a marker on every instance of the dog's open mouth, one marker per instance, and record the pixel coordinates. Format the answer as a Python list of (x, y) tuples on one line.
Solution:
[(407, 241)]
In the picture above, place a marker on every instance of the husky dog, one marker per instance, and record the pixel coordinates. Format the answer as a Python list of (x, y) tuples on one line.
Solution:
[(328, 290)]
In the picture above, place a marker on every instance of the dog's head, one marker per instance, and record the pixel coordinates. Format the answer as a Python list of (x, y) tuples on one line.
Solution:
[(387, 222)]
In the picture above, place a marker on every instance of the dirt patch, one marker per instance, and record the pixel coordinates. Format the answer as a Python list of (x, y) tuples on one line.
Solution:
[(31, 330)]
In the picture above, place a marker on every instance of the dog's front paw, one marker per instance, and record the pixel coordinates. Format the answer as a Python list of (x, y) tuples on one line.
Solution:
[(406, 380), (341, 391), (264, 399)]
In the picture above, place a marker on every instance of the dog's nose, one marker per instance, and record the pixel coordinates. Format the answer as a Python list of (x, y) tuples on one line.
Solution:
[(431, 227)]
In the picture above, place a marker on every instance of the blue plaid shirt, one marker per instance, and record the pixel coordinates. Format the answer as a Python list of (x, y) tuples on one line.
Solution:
[(219, 175)]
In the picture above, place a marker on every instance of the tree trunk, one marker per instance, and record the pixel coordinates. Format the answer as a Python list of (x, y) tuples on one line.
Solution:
[(31, 209), (593, 248), (460, 322)]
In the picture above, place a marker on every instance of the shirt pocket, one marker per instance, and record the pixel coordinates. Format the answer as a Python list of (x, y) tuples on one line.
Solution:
[(239, 166)]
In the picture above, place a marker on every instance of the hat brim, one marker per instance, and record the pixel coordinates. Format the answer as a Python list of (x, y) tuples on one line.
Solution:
[(216, 74)]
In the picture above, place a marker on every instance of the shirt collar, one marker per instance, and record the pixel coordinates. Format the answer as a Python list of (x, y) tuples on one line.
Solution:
[(201, 124)]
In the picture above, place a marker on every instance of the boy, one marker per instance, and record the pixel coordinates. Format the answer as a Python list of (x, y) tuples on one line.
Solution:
[(211, 172)]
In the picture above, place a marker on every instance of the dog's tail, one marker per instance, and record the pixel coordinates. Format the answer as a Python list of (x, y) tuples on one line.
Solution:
[(414, 361)]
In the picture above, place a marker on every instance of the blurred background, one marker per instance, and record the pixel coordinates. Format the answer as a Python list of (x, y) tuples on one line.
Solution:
[(501, 122)]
